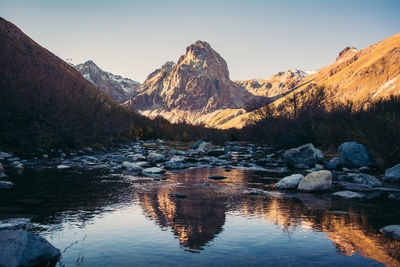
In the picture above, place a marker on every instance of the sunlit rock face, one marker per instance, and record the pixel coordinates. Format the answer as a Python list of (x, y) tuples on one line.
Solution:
[(197, 85), (118, 88), (277, 85)]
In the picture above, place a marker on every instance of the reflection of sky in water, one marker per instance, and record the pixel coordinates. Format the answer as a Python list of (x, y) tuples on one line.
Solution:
[(134, 221)]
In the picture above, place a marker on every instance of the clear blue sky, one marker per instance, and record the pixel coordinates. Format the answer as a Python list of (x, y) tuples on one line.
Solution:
[(256, 38)]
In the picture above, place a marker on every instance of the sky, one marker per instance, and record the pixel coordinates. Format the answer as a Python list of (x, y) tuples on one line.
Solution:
[(256, 38)]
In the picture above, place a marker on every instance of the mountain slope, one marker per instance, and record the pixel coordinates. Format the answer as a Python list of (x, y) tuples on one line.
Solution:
[(367, 74), (45, 102), (118, 88), (197, 86)]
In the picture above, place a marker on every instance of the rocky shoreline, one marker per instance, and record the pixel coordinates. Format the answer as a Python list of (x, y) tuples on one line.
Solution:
[(350, 176)]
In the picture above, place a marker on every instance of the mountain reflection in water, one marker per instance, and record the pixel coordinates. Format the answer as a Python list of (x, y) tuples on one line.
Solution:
[(197, 220)]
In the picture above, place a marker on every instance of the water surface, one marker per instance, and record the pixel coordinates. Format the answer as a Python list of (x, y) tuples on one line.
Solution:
[(100, 219)]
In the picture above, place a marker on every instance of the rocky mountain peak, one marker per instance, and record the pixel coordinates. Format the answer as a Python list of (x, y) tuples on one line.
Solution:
[(346, 52)]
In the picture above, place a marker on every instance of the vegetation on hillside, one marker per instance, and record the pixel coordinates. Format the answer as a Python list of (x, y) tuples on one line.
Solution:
[(311, 117)]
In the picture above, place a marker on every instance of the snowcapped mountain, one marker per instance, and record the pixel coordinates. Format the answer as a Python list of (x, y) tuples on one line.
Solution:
[(118, 88)]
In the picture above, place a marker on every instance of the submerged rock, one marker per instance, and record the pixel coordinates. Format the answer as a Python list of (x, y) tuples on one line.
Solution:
[(316, 181), (21, 248), (353, 154), (305, 155), (391, 230), (393, 174), (348, 195), (290, 182)]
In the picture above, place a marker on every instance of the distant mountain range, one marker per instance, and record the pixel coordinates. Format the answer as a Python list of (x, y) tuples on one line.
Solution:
[(197, 89)]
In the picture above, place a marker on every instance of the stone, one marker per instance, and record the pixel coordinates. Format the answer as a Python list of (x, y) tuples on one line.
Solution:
[(290, 182), (153, 170), (155, 157), (353, 154), (196, 145), (333, 164), (305, 154), (6, 155), (175, 164), (361, 178), (6, 184), (205, 146), (356, 187), (348, 195), (63, 167), (177, 152), (45, 156), (316, 181), (391, 230), (393, 174), (13, 159), (21, 248), (217, 177), (132, 167)]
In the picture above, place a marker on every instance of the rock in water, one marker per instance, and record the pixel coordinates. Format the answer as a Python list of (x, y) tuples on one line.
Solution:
[(21, 248), (333, 164), (5, 185), (290, 182), (316, 181), (348, 195), (361, 178), (393, 174), (392, 230), (353, 154), (305, 154), (153, 170), (155, 157)]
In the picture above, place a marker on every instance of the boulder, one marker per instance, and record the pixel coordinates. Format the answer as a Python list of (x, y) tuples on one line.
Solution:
[(132, 167), (21, 248), (353, 154), (305, 154), (316, 181), (361, 178), (348, 195), (205, 146), (393, 174), (5, 184), (333, 164), (155, 157), (392, 230), (290, 182), (175, 164)]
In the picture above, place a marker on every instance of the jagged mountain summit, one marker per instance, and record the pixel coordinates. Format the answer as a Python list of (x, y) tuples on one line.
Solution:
[(197, 89), (118, 88)]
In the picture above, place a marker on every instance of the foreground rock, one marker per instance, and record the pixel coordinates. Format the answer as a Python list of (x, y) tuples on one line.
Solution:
[(316, 181), (303, 155), (21, 248), (348, 195), (290, 182), (393, 174), (392, 230), (353, 154)]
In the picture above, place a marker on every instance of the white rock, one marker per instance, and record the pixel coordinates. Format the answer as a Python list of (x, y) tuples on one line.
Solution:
[(316, 181), (290, 182), (348, 195)]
